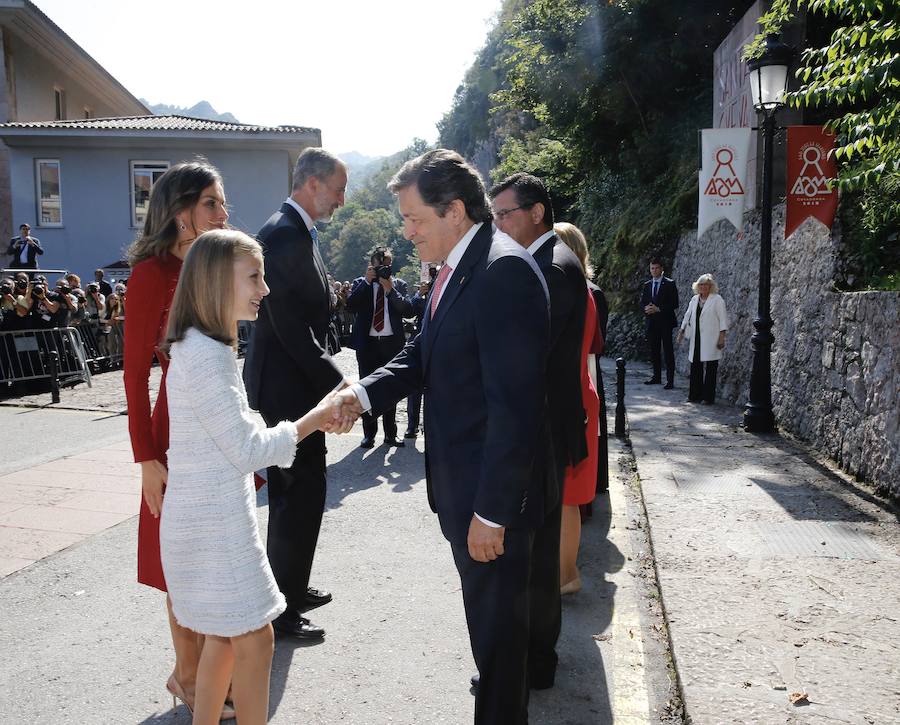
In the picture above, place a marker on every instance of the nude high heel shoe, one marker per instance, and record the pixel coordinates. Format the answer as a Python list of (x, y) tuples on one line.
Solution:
[(177, 692)]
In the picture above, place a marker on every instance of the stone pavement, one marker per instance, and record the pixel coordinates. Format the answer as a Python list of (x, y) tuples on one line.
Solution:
[(777, 575), (83, 643)]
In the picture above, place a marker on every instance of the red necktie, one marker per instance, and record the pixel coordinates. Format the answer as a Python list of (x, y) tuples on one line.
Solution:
[(378, 323), (439, 285)]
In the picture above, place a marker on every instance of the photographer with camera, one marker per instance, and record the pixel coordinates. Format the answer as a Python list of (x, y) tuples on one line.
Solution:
[(45, 304), (68, 304), (23, 249), (380, 304)]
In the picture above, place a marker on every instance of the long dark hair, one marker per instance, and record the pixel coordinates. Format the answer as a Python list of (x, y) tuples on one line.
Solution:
[(176, 190)]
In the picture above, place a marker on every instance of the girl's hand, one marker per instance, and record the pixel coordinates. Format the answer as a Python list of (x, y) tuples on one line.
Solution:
[(153, 479)]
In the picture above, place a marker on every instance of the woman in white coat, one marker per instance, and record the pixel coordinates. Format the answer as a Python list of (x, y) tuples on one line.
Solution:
[(215, 565), (704, 325)]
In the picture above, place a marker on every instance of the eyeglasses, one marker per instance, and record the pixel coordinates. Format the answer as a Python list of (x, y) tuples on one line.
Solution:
[(501, 214)]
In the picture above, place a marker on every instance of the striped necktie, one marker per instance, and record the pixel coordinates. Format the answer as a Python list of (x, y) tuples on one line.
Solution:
[(439, 285)]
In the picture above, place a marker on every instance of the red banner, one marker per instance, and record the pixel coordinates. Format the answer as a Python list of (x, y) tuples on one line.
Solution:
[(808, 170)]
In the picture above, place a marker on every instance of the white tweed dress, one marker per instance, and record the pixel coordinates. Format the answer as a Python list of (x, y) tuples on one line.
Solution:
[(216, 569)]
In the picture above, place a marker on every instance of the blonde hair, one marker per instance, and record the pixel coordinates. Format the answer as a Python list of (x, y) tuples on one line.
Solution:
[(703, 279), (204, 297), (575, 240)]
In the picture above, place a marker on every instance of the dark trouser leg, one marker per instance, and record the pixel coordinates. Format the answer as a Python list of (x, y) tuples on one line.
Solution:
[(413, 412), (368, 363), (373, 355), (709, 381), (695, 390), (545, 606), (296, 503), (669, 351), (655, 359), (495, 595)]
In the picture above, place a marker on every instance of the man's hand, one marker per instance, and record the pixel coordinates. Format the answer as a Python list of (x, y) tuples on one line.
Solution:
[(344, 407), (721, 342), (386, 284), (371, 274), (485, 542), (651, 309)]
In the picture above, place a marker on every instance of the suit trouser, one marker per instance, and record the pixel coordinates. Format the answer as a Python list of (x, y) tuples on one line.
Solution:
[(703, 381), (544, 599), (495, 595), (659, 337), (413, 412), (296, 504), (377, 352)]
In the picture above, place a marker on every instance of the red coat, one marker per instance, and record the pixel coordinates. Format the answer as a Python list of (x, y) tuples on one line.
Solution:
[(150, 291), (581, 479)]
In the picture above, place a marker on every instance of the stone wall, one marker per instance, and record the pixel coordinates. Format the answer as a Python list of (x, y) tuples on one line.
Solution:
[(836, 356)]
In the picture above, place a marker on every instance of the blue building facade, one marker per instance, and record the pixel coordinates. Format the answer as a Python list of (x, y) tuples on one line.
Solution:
[(82, 184)]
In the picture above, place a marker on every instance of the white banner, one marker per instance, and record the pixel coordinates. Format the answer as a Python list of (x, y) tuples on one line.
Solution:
[(723, 177)]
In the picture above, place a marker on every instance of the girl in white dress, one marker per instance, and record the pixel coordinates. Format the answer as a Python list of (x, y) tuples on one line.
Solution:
[(216, 569)]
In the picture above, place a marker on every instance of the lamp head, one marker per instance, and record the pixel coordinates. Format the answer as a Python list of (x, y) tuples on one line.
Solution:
[(769, 74)]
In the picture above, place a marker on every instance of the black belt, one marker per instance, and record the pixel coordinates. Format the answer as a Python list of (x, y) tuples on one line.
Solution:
[(381, 338)]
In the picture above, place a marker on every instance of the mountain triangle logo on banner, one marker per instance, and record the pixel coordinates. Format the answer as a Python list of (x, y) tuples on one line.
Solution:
[(722, 184), (723, 181), (809, 183), (809, 169)]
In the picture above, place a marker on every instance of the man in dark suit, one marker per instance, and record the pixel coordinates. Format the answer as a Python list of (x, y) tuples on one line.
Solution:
[(659, 300), (380, 304), (287, 370), (23, 249), (418, 302), (484, 379), (523, 210)]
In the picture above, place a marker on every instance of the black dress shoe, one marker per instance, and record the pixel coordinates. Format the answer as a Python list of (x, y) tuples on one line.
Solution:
[(653, 381), (292, 623), (316, 598), (395, 442), (475, 680), (668, 386), (410, 434), (367, 443)]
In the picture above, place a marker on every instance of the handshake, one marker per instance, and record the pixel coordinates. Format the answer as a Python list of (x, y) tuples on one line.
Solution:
[(337, 411)]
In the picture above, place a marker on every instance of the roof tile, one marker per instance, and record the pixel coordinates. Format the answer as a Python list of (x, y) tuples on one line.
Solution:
[(157, 123)]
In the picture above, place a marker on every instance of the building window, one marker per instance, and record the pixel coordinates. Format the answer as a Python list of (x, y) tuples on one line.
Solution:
[(59, 96), (48, 192), (144, 175)]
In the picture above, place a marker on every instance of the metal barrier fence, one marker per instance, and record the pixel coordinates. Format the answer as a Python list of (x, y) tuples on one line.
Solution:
[(57, 354), (102, 342)]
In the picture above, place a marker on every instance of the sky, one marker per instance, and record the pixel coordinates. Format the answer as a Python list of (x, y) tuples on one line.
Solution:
[(371, 75)]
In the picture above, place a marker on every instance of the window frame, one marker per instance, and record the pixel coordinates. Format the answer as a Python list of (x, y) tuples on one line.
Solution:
[(59, 103), (161, 164), (39, 199)]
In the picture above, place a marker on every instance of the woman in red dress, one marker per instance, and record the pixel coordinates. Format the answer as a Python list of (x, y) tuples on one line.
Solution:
[(581, 479), (185, 202)]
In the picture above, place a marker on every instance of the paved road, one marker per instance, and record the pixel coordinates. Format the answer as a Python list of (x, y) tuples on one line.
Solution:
[(778, 575), (83, 643)]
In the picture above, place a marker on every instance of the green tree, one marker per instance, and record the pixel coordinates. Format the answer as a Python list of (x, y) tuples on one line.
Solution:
[(856, 75), (855, 80)]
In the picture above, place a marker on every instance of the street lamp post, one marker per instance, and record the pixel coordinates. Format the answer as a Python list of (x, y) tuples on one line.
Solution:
[(768, 82)]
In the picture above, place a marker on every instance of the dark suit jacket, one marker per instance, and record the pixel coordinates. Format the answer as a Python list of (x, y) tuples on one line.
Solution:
[(666, 300), (362, 302), (13, 250), (287, 369), (568, 301), (483, 378)]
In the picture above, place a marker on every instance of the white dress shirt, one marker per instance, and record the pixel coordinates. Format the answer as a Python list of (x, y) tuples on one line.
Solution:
[(539, 242), (307, 219), (387, 330)]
